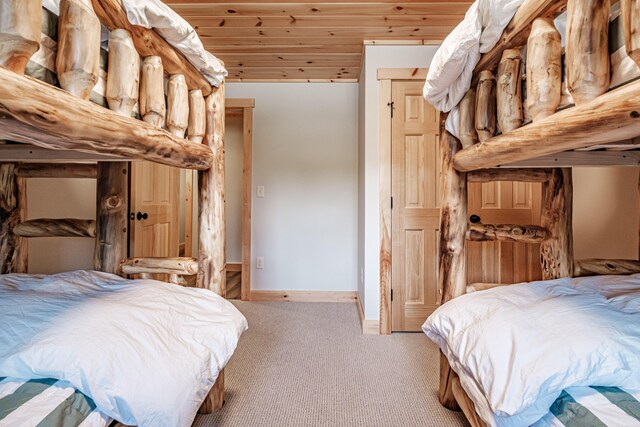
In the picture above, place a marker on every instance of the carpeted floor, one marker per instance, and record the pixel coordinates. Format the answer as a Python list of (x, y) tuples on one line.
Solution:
[(307, 364)]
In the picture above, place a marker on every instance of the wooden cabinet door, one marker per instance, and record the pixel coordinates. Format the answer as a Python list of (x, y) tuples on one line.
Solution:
[(155, 191), (415, 180), (504, 203)]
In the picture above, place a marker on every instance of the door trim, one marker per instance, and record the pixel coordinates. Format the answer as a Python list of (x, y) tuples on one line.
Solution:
[(386, 76)]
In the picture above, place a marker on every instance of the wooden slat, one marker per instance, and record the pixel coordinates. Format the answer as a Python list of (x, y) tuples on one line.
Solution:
[(62, 227), (596, 267), (149, 43), (294, 73), (288, 61), (581, 158), (47, 170), (181, 266), (611, 117), (40, 114), (520, 175), (30, 153), (403, 32)]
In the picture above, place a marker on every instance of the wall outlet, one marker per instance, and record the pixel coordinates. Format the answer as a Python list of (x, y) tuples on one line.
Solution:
[(260, 262), (260, 191)]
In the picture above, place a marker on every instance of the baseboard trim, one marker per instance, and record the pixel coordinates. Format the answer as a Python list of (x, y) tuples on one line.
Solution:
[(304, 296), (369, 327)]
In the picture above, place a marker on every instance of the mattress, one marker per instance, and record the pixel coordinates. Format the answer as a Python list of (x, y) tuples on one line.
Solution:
[(46, 403)]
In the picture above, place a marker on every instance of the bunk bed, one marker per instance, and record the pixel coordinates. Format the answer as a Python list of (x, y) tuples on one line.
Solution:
[(125, 367), (514, 123)]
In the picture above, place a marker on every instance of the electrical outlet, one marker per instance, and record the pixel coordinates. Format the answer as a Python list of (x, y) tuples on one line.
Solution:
[(260, 191), (260, 262)]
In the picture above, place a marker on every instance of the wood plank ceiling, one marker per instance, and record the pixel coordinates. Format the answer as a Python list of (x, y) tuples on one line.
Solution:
[(264, 40)]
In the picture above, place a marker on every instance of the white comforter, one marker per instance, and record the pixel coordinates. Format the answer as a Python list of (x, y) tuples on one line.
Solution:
[(146, 352), (517, 347)]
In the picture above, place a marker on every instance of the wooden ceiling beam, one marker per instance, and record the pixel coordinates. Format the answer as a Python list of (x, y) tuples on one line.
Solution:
[(327, 61), (338, 21), (295, 73), (403, 32)]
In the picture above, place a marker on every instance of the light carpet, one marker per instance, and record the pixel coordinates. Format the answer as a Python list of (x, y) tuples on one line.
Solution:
[(308, 364)]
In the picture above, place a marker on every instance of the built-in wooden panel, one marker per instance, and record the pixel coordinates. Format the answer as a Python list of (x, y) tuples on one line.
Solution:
[(416, 206), (242, 32)]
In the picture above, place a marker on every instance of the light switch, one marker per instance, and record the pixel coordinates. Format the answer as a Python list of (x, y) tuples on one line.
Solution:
[(260, 191)]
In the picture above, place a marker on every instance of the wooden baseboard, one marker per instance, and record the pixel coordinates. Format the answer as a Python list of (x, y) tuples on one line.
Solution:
[(304, 296), (369, 327), (234, 266)]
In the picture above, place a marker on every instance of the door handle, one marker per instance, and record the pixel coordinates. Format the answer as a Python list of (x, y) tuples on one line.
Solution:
[(140, 216), (474, 219)]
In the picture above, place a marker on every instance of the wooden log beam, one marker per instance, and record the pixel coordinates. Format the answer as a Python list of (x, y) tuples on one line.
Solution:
[(507, 233), (183, 266), (56, 170), (211, 201), (611, 117), (598, 267), (452, 279), (13, 198), (111, 214), (475, 287), (149, 43), (62, 227), (520, 175), (48, 117), (556, 254), (518, 29), (568, 159)]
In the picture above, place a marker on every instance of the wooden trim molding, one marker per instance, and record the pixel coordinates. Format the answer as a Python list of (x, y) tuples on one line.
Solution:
[(385, 208), (304, 296), (402, 73), (369, 327), (247, 194)]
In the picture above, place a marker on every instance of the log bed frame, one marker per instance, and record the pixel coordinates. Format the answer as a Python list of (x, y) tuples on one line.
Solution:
[(35, 113), (599, 120)]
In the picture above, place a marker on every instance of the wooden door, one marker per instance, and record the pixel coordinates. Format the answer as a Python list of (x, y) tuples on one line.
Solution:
[(155, 193), (415, 214), (504, 203)]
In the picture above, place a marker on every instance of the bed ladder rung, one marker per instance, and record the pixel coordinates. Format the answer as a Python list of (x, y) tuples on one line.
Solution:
[(507, 233)]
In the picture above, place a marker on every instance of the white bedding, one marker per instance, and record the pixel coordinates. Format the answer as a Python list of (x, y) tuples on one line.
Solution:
[(517, 347), (146, 352)]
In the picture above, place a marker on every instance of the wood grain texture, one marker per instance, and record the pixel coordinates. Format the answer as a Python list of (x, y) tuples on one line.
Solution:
[(507, 233), (123, 76), (215, 398), (468, 134), (556, 254), (177, 105), (111, 217), (598, 267), (509, 91), (520, 175), (62, 227), (611, 117), (247, 195), (630, 10), (13, 200), (181, 266), (304, 296), (19, 32), (211, 201), (197, 116), (149, 43), (486, 106), (78, 58), (56, 170), (544, 69), (152, 104), (466, 404), (587, 51), (39, 114)]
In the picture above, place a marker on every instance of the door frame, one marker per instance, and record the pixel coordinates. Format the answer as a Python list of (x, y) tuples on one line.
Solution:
[(386, 76), (238, 107)]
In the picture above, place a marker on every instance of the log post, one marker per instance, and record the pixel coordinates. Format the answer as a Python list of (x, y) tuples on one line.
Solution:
[(111, 217), (211, 215), (152, 107), (486, 106), (197, 112), (587, 51), (177, 105), (509, 91), (630, 10), (19, 32), (468, 134), (123, 78), (556, 254), (78, 60), (452, 280), (544, 69), (13, 206)]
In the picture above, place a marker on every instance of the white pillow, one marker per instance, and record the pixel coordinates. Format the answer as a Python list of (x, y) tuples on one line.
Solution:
[(521, 345)]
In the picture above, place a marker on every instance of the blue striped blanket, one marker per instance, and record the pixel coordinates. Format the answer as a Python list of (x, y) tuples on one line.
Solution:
[(594, 407), (46, 403)]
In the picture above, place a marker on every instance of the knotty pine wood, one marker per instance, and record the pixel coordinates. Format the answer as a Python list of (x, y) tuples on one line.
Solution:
[(152, 103), (59, 227), (19, 32), (468, 134), (521, 175), (197, 120), (509, 91), (180, 266), (177, 105), (486, 106), (630, 10), (123, 77), (596, 267), (556, 254), (13, 206), (507, 233)]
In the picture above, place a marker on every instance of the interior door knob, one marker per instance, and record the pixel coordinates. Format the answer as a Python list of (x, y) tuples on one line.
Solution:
[(140, 216), (474, 219)]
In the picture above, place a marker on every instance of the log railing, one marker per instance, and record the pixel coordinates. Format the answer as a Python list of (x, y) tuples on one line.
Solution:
[(61, 227)]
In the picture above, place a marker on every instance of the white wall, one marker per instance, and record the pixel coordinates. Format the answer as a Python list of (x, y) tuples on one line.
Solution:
[(605, 213), (60, 198), (233, 164), (369, 231), (305, 154)]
